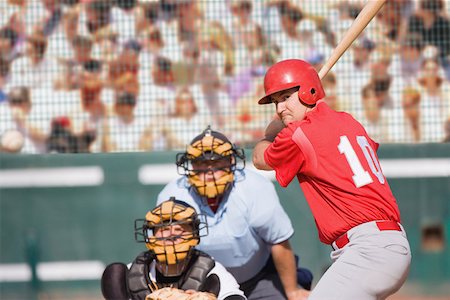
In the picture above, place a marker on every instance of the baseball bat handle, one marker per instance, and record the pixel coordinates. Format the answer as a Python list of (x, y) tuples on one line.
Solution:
[(364, 17)]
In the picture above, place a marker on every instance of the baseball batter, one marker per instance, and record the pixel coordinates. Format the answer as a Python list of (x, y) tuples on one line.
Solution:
[(337, 166)]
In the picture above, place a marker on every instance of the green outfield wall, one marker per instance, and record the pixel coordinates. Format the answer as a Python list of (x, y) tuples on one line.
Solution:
[(67, 216)]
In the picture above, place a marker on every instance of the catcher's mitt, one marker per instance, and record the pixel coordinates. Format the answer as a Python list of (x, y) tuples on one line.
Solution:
[(177, 294)]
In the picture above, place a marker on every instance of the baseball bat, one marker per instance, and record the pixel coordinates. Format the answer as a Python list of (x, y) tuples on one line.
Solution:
[(364, 17)]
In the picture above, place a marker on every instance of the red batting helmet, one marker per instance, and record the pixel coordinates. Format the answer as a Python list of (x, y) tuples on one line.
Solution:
[(291, 73)]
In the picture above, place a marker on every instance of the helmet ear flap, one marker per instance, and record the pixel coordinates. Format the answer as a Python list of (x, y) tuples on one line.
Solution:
[(307, 96)]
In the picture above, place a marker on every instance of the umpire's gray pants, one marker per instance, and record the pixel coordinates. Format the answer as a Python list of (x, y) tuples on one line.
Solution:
[(268, 287)]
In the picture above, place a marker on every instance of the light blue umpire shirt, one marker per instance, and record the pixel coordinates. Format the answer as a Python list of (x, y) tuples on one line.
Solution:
[(248, 221)]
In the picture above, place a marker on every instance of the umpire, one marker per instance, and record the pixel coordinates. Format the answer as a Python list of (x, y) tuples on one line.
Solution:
[(240, 206)]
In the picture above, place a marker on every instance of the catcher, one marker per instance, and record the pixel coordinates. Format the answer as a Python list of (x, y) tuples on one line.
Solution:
[(171, 268)]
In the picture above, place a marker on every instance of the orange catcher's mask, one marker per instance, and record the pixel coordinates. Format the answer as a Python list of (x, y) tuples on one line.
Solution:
[(291, 73), (210, 152), (171, 231)]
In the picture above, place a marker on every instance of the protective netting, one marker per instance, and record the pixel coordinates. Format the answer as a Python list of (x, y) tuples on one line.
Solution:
[(149, 75)]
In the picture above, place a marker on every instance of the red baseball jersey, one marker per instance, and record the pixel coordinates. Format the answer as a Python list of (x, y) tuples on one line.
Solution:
[(337, 166)]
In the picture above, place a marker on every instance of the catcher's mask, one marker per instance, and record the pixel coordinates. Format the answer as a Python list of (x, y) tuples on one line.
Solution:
[(171, 231), (210, 162)]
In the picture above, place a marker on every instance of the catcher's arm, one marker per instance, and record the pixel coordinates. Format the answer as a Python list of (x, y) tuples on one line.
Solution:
[(113, 282)]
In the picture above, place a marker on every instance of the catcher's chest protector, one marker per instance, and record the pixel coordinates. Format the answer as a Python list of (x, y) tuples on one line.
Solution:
[(194, 278)]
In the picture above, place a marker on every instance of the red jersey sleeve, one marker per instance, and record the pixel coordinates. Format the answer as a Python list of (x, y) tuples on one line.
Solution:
[(374, 144), (284, 156)]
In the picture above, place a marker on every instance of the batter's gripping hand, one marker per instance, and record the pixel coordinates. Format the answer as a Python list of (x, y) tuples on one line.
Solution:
[(274, 127)]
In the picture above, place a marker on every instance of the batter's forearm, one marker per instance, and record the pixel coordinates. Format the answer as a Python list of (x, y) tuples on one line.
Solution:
[(258, 155)]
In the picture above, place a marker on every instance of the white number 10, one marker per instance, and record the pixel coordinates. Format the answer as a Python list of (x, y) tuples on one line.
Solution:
[(360, 176)]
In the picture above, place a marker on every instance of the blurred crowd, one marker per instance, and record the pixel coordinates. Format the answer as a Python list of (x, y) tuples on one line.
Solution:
[(145, 75)]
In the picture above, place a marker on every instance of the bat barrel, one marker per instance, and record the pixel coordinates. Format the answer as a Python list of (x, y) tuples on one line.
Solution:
[(365, 16)]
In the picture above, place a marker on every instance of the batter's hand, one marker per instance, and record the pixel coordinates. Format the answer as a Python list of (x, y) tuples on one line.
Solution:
[(274, 127), (299, 294)]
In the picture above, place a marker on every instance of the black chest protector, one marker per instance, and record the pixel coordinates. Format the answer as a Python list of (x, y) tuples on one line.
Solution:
[(193, 279)]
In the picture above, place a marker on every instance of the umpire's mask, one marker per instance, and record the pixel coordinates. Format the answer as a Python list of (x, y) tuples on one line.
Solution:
[(209, 163)]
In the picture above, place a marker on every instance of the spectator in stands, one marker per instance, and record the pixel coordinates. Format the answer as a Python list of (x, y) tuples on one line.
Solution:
[(152, 47), (106, 46), (19, 115), (434, 108), (187, 42), (249, 39), (20, 18), (8, 38), (214, 104), (147, 15), (126, 83), (89, 116), (243, 26), (162, 88), (124, 19), (53, 16), (361, 50), (394, 16), (287, 40), (342, 16), (217, 60), (155, 101), (32, 70), (95, 16), (381, 78), (82, 47), (123, 129), (431, 23), (374, 117), (60, 41), (152, 41), (188, 17), (353, 74), (73, 68), (313, 42), (182, 20), (184, 122), (409, 59), (62, 139), (411, 111), (127, 63)]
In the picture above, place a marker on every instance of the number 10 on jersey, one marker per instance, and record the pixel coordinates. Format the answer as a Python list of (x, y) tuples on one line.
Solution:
[(360, 176)]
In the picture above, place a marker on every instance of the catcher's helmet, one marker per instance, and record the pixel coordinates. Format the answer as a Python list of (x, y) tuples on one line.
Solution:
[(291, 73), (172, 248), (210, 147)]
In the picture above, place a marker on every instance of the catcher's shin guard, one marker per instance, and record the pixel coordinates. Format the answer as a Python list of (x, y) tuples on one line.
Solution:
[(114, 282)]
